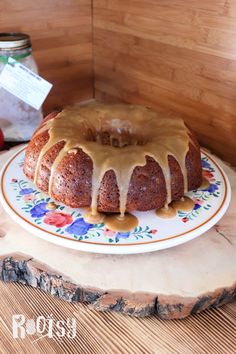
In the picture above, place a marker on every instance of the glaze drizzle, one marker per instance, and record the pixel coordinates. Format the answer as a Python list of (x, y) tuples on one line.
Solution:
[(117, 137)]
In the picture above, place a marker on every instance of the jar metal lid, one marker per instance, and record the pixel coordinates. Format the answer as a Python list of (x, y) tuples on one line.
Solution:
[(14, 41)]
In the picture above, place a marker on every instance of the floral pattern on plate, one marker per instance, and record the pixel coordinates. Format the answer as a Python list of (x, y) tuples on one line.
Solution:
[(66, 221), (202, 197)]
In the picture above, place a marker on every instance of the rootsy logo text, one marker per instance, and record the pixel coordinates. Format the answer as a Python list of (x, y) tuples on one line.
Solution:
[(43, 327)]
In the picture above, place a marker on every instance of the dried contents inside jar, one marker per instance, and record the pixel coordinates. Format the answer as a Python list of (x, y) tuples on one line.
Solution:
[(18, 120)]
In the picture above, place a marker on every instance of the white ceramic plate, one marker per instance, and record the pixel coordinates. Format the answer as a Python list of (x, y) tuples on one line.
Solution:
[(65, 226)]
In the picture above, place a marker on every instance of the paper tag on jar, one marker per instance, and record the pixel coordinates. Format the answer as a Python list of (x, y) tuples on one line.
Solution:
[(24, 83)]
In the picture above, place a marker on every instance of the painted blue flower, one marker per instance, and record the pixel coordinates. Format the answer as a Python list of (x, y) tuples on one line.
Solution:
[(205, 164), (79, 227), (196, 206), (25, 191), (120, 235), (211, 188), (39, 210)]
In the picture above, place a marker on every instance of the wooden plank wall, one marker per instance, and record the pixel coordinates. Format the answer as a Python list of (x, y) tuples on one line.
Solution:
[(174, 55), (61, 33)]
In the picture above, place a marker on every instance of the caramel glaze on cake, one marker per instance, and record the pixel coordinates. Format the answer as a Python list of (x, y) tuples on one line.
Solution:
[(113, 158)]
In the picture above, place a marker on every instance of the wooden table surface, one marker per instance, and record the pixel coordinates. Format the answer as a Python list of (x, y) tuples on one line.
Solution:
[(210, 332)]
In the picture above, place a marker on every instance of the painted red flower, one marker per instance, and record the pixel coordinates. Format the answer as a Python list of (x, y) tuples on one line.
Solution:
[(153, 231), (208, 175), (57, 219), (185, 219), (198, 201), (108, 233), (29, 197), (14, 180)]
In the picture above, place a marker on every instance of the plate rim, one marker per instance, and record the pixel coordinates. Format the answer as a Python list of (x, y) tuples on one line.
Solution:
[(95, 247)]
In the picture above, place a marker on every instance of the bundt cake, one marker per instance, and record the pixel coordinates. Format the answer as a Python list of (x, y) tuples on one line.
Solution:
[(113, 158)]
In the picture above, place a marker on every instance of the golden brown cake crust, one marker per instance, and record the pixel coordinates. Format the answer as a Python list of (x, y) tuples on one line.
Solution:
[(72, 180)]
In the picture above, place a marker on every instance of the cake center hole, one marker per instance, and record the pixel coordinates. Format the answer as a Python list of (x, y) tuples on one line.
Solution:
[(116, 133)]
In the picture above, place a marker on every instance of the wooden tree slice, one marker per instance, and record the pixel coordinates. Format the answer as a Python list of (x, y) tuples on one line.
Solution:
[(172, 283)]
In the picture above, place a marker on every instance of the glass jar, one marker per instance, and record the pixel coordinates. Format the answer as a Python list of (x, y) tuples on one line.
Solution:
[(18, 120)]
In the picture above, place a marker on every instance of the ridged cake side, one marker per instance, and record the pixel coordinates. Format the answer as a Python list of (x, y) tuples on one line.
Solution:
[(72, 180)]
